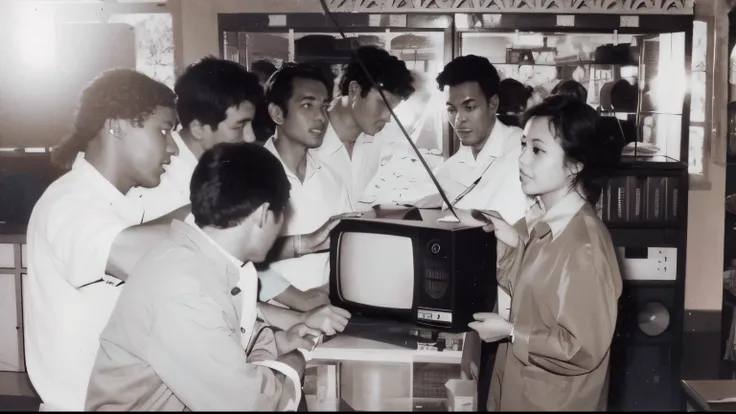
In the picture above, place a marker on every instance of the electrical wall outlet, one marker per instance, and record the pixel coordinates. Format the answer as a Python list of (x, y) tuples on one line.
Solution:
[(647, 263)]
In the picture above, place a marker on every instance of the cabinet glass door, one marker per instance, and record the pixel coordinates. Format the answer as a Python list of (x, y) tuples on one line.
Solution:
[(641, 80), (425, 53), (10, 340)]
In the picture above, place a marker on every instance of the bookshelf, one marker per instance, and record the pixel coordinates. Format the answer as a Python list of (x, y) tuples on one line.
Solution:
[(646, 202)]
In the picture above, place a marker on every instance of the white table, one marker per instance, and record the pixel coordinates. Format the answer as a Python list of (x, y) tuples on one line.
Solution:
[(349, 373)]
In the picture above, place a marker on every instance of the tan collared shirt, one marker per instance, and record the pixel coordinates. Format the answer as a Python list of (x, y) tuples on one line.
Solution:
[(173, 340), (564, 282), (173, 193)]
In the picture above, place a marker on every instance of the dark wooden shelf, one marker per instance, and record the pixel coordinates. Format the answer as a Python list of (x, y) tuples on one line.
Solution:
[(657, 162), (647, 237), (643, 225)]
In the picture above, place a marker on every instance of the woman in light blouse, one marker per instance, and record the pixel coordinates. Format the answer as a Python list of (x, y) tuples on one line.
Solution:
[(559, 266)]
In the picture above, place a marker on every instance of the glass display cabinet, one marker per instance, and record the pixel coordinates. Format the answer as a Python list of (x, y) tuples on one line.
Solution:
[(640, 72), (424, 42)]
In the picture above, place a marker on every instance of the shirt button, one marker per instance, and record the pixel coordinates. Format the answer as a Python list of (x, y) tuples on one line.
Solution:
[(235, 291), (242, 330)]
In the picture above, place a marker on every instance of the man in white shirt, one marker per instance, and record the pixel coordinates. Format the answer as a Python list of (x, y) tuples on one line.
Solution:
[(298, 97), (216, 102), (351, 145), (171, 343), (84, 235), (484, 173)]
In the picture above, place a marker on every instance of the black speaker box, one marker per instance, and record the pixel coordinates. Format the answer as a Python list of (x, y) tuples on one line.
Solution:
[(645, 353)]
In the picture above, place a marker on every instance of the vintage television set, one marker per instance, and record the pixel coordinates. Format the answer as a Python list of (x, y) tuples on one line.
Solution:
[(425, 272)]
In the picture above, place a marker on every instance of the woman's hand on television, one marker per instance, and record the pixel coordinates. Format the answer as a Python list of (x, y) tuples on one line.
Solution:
[(491, 327), (328, 319), (505, 232), (319, 240)]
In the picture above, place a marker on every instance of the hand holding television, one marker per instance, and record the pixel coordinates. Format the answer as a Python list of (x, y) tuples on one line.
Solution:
[(319, 240)]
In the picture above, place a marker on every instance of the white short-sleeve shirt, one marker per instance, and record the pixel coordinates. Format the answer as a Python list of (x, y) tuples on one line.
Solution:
[(356, 170), (496, 168), (322, 195), (67, 297)]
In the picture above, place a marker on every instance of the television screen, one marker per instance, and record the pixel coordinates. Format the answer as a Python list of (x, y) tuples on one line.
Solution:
[(376, 270)]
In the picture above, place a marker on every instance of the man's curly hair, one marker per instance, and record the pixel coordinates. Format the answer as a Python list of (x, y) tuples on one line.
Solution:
[(114, 94)]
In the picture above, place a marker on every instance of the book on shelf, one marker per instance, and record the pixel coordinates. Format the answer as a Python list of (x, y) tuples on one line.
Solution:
[(632, 199)]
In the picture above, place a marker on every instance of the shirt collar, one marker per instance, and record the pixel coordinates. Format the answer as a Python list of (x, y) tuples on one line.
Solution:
[(556, 219), (190, 221), (332, 142), (494, 146), (185, 154), (105, 189), (313, 162), (190, 234)]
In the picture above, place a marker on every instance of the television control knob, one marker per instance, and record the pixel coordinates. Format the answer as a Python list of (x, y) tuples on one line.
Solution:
[(434, 247)]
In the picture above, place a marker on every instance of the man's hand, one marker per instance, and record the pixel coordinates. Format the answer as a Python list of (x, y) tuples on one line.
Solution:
[(491, 327), (328, 319), (295, 360), (319, 240), (316, 297), (303, 301), (296, 337)]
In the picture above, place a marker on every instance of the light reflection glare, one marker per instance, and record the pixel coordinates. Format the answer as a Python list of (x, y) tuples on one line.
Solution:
[(35, 36)]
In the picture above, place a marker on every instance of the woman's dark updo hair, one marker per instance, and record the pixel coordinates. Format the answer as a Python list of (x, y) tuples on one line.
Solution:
[(578, 128)]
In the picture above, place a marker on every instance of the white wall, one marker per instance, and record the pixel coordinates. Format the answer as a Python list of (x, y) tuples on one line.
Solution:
[(704, 280)]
